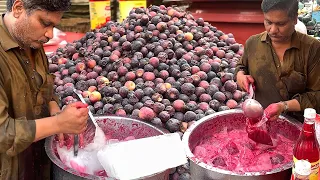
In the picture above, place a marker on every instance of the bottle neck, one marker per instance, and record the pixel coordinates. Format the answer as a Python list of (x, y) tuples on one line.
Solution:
[(309, 126), (309, 121)]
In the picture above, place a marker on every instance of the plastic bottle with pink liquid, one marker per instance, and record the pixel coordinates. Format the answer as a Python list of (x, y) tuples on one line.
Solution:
[(317, 124), (307, 146)]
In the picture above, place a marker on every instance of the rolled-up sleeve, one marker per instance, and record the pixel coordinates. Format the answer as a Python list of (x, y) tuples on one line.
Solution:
[(311, 98), (15, 134)]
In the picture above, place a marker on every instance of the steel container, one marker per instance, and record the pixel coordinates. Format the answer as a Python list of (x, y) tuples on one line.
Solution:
[(121, 127), (290, 128)]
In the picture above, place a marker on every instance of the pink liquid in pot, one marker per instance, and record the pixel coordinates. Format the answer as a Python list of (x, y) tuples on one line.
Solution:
[(234, 151)]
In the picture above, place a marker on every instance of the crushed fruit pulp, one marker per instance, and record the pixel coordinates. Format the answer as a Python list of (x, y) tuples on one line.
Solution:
[(234, 151)]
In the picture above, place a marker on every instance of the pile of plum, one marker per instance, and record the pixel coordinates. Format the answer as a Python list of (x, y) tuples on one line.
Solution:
[(160, 65)]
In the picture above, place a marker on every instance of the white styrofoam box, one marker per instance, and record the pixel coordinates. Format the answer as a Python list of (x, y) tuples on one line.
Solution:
[(142, 157)]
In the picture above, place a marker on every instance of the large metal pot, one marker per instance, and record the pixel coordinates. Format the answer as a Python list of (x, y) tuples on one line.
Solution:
[(235, 119), (119, 127)]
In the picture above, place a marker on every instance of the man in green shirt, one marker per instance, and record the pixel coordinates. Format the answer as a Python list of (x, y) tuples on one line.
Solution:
[(26, 90), (283, 65)]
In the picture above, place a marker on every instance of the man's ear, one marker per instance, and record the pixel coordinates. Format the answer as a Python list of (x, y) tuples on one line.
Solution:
[(17, 8)]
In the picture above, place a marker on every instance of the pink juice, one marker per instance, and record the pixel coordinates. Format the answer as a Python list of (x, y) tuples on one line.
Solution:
[(234, 151)]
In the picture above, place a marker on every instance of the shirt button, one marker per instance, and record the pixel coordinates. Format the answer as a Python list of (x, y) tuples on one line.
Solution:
[(37, 110), (278, 65), (32, 77)]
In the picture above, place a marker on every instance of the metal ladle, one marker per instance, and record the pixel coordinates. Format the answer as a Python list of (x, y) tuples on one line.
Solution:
[(76, 136), (252, 108)]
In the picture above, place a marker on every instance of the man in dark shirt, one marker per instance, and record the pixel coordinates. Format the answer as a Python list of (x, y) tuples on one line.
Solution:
[(26, 90), (283, 65)]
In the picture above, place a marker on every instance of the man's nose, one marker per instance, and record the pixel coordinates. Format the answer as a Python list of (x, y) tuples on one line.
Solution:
[(49, 33), (273, 29)]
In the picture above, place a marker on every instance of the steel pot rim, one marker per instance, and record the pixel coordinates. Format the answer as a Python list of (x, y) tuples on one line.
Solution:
[(57, 161), (191, 157)]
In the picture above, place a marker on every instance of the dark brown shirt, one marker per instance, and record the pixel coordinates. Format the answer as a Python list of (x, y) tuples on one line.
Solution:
[(23, 98), (297, 77)]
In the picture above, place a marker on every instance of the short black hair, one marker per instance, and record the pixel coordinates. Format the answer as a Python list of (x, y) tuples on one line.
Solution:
[(290, 6), (46, 5)]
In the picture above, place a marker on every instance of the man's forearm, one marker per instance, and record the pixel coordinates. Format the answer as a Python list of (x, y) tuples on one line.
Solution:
[(53, 107), (46, 127), (293, 105)]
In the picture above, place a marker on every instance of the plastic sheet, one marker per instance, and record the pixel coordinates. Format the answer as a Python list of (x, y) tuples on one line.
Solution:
[(258, 132), (87, 160)]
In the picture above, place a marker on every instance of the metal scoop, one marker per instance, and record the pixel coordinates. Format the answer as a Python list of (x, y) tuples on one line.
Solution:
[(76, 137), (90, 113), (253, 110)]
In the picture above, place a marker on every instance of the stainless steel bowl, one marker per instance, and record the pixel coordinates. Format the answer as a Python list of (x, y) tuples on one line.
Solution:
[(120, 127), (234, 119)]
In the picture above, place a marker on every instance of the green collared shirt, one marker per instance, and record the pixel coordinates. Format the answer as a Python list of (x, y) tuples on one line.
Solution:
[(297, 77), (22, 100)]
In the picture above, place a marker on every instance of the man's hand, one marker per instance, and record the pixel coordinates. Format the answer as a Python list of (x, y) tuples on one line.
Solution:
[(73, 120), (274, 110), (243, 81)]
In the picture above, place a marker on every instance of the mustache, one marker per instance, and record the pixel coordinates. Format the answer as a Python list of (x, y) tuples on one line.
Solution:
[(276, 36)]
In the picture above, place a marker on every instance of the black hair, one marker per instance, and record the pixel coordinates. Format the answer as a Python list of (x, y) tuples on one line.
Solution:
[(290, 6), (46, 5)]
